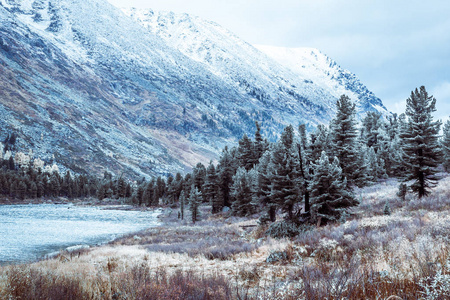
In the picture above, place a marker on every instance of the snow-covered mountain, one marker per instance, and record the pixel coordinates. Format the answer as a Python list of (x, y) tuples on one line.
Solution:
[(304, 70), (317, 67), (148, 94)]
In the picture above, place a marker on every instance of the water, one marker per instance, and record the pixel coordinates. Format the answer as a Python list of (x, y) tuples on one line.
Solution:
[(29, 232)]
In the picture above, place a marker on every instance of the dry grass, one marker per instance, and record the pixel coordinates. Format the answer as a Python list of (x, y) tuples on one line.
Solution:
[(371, 256)]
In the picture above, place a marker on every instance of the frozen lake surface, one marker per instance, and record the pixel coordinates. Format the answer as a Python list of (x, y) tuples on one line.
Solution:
[(28, 232)]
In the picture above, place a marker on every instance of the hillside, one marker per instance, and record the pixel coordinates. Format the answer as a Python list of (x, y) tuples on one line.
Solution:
[(93, 89)]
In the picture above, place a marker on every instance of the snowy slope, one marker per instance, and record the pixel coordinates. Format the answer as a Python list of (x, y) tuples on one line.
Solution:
[(304, 71), (312, 64), (153, 94), (238, 63)]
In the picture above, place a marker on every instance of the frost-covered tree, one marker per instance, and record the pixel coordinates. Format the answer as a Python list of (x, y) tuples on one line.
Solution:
[(263, 183), (170, 191), (246, 153), (195, 198), (446, 146), (284, 173), (330, 196), (344, 139), (199, 176), (211, 189), (150, 198), (304, 165), (320, 141), (259, 146), (370, 130), (375, 165), (225, 172), (243, 191), (420, 137), (121, 187), (160, 189)]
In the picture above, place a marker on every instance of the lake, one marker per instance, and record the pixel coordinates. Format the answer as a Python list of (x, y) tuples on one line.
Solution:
[(29, 232)]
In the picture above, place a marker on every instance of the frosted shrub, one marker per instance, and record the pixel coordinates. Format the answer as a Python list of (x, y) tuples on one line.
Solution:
[(327, 249), (283, 229), (436, 287)]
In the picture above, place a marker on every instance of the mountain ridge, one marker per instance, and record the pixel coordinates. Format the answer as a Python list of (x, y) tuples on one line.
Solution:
[(92, 89)]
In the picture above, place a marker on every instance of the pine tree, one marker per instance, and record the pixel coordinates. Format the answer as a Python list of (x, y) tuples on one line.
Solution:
[(55, 184), (195, 199), (420, 142), (33, 190), (140, 194), (370, 130), (187, 184), (446, 146), (182, 200), (179, 181), (225, 175), (171, 190), (21, 190), (149, 194), (243, 191), (304, 165), (330, 196), (210, 189), (245, 153), (344, 142), (160, 189), (376, 167), (121, 187), (263, 190), (259, 145), (66, 185), (283, 168), (198, 177), (320, 141)]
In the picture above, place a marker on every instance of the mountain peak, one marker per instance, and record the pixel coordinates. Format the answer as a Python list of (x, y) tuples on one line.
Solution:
[(317, 67)]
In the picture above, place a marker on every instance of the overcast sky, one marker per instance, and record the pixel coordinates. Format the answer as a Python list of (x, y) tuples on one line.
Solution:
[(392, 46)]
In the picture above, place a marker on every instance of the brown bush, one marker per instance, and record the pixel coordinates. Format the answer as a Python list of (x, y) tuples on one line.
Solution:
[(137, 282)]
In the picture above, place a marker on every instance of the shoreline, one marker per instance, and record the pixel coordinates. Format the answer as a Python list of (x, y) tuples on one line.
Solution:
[(113, 204), (73, 248)]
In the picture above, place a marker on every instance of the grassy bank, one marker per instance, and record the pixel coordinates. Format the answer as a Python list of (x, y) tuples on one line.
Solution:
[(370, 256)]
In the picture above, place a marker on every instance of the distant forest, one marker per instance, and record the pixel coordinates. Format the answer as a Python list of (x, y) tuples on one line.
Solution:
[(308, 177)]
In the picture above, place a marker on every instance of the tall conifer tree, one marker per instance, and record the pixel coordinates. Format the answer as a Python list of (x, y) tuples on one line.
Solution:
[(420, 139), (263, 191), (225, 175), (284, 172), (304, 165), (211, 189), (344, 142), (195, 198), (243, 191)]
